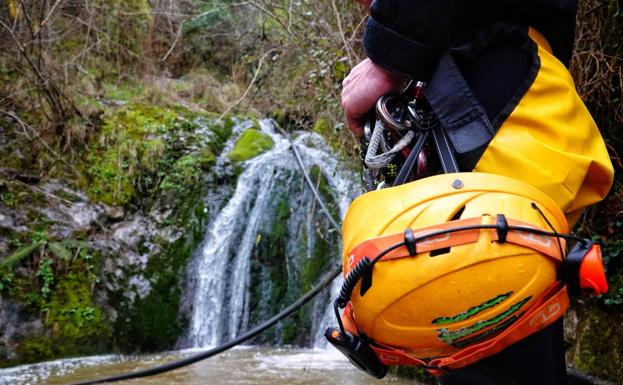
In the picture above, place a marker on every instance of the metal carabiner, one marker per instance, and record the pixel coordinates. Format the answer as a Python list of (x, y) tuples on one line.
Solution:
[(402, 116)]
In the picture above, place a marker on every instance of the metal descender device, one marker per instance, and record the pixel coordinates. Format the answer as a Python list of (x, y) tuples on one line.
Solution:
[(395, 147)]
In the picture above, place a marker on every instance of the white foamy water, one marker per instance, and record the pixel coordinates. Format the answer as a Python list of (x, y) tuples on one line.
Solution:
[(246, 365), (221, 267)]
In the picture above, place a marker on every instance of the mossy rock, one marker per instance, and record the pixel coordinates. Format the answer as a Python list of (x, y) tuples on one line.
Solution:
[(75, 325), (143, 149), (599, 343), (413, 373), (251, 143), (155, 323)]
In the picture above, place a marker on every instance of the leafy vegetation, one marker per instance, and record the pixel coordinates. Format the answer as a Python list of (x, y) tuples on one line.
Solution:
[(55, 278)]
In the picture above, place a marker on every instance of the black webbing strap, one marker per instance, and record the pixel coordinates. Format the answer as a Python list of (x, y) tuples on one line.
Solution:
[(461, 115), (412, 159), (414, 59), (445, 151)]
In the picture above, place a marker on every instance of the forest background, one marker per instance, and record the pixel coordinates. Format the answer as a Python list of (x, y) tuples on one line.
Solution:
[(66, 64)]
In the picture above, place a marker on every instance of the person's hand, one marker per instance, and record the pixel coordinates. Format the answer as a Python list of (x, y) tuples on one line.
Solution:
[(361, 89)]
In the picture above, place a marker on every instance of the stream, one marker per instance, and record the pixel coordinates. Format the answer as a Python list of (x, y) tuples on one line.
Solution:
[(244, 365)]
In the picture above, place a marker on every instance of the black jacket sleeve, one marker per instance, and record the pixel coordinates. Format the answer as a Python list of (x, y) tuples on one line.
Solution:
[(408, 36)]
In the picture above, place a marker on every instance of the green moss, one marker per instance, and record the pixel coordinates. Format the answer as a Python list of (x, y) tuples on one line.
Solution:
[(599, 344), (186, 170), (124, 149), (75, 325), (78, 324), (323, 126), (35, 349), (154, 323), (144, 148), (251, 143)]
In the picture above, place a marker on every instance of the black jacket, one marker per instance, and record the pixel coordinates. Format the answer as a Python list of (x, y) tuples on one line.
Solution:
[(408, 36)]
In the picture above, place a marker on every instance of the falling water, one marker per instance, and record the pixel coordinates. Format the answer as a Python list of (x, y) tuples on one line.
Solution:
[(221, 270)]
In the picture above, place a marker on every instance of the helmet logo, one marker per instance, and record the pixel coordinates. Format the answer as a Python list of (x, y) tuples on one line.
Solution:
[(472, 311), (536, 239), (471, 334), (546, 314)]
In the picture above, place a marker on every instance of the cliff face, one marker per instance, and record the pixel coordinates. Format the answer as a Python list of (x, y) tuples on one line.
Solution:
[(94, 260)]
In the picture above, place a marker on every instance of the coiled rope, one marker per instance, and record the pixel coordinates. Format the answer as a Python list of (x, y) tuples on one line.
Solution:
[(373, 159), (314, 291)]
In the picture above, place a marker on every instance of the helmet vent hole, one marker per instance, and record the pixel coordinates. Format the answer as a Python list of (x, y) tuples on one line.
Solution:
[(438, 252), (457, 215)]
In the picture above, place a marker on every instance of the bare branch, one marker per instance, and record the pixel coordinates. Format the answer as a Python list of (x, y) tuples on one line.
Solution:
[(26, 126), (339, 26), (246, 92), (47, 18), (181, 27)]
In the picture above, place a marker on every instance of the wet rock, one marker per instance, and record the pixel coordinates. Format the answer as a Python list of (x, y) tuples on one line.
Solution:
[(15, 325), (115, 212), (571, 325)]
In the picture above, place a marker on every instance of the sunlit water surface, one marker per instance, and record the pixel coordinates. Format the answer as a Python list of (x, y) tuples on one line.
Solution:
[(257, 366)]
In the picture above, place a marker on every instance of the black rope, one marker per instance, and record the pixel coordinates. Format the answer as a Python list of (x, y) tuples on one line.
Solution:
[(537, 208), (326, 281)]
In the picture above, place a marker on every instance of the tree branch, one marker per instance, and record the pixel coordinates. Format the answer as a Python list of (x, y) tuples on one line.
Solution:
[(253, 80)]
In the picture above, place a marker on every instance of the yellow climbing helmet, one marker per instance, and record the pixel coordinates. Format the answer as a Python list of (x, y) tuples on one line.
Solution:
[(449, 269)]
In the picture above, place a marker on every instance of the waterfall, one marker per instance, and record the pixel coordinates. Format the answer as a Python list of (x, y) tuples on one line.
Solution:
[(270, 226)]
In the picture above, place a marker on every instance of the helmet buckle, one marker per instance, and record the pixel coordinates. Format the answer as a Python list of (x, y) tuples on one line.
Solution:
[(357, 350)]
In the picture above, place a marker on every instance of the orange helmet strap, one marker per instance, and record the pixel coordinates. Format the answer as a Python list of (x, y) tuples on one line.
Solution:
[(582, 270)]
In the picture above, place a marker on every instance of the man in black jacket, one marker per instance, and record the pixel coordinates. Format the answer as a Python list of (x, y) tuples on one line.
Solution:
[(405, 39)]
